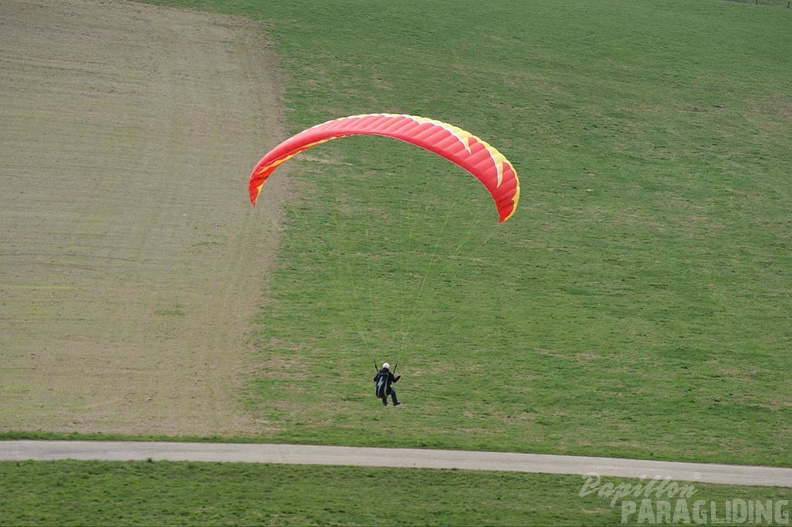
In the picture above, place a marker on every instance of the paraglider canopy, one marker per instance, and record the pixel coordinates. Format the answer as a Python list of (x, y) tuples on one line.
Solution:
[(483, 161)]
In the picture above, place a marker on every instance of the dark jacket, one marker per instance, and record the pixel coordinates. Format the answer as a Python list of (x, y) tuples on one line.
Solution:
[(389, 379)]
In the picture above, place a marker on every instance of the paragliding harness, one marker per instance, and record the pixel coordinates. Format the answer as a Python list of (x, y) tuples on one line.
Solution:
[(381, 384)]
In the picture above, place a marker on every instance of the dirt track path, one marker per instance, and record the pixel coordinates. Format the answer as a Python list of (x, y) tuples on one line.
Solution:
[(395, 457), (130, 259)]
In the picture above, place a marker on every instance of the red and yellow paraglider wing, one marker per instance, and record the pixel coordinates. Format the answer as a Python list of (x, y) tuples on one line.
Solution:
[(483, 161)]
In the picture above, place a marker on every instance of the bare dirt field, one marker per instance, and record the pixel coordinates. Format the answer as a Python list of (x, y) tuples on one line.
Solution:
[(131, 261)]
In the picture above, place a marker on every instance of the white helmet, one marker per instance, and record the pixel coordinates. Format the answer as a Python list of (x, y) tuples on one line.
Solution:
[(386, 366)]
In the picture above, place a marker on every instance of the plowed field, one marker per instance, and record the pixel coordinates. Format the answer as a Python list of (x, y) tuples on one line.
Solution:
[(130, 259)]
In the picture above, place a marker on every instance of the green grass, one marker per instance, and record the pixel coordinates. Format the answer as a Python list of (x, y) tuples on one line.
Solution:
[(636, 305), (165, 493), (638, 302)]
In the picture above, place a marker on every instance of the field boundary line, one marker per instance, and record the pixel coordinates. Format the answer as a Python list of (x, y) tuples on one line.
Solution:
[(22, 450)]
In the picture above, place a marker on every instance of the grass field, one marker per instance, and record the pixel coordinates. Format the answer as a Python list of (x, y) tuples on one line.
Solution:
[(636, 305), (638, 302), (164, 493)]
